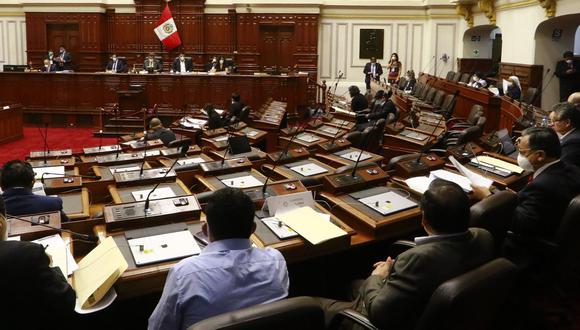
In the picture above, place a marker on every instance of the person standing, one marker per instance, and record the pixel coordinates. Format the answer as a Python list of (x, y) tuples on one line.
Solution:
[(394, 69), (64, 60), (372, 70), (568, 70)]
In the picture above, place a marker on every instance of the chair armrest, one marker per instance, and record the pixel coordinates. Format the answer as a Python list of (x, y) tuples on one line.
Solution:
[(353, 316), (399, 247), (454, 119)]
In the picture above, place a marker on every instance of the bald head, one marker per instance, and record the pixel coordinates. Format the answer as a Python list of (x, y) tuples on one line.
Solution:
[(155, 123), (574, 98), (445, 207)]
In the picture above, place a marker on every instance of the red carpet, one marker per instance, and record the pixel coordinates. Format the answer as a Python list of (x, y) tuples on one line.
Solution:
[(58, 138)]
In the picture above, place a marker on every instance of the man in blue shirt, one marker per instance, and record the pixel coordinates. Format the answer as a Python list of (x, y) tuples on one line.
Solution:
[(229, 274)]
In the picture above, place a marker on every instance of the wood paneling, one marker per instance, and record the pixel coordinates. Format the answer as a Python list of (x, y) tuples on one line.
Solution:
[(529, 75)]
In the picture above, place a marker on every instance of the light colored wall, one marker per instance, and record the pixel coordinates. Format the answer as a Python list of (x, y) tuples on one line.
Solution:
[(483, 46), (12, 40), (577, 42)]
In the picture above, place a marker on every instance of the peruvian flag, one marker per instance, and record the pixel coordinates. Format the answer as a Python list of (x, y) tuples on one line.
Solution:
[(166, 30)]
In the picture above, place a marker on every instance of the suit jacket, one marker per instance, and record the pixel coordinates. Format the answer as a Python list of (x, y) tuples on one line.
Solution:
[(21, 201), (367, 70), (120, 65), (39, 296), (236, 110), (543, 201), (409, 85), (571, 148), (51, 68), (66, 63), (164, 134), (398, 301), (382, 111), (176, 67), (569, 82), (157, 67), (359, 102)]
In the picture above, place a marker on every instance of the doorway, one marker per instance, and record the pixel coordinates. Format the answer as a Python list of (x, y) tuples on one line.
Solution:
[(277, 47), (63, 34)]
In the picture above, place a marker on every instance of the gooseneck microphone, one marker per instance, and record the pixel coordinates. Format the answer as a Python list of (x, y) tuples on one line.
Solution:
[(61, 176), (85, 237), (182, 152)]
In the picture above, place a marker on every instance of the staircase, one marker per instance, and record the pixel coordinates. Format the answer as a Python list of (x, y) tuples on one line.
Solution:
[(115, 123)]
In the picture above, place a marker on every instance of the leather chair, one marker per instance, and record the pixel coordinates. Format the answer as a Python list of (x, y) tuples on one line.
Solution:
[(458, 123), (450, 75), (457, 76), (355, 138), (390, 166), (529, 95), (458, 137), (474, 300), (302, 313), (245, 114), (375, 136), (464, 78), (494, 214), (402, 82), (447, 107)]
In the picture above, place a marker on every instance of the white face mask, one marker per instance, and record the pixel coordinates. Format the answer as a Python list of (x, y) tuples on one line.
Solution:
[(524, 163), (114, 58), (569, 61), (182, 58), (221, 61)]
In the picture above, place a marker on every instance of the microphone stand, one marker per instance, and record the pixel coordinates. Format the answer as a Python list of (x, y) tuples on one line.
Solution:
[(94, 177), (353, 174), (227, 127), (45, 140), (183, 152), (85, 237), (531, 105), (417, 163)]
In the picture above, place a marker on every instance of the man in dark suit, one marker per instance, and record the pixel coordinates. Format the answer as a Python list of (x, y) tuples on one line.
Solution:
[(115, 64), (17, 180), (396, 293), (372, 70), (151, 64), (381, 107), (565, 120), (48, 66), (543, 201), (157, 131), (568, 70), (64, 60), (358, 102), (39, 295), (181, 64), (236, 108)]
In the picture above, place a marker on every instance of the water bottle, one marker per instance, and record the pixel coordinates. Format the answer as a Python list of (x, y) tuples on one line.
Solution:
[(544, 121)]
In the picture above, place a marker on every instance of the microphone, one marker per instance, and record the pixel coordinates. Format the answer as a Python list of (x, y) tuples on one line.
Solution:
[(45, 139), (100, 139), (227, 127), (182, 151), (428, 64), (94, 177), (85, 237), (282, 154), (353, 174)]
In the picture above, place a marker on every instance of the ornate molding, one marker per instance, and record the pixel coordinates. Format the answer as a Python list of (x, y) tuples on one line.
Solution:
[(465, 11), (550, 6), (488, 7)]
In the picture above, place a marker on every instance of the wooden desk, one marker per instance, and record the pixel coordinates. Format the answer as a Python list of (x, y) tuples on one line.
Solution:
[(254, 135), (11, 122), (67, 162), (284, 171), (30, 232), (343, 124), (336, 160), (76, 204), (214, 183), (305, 140), (186, 173), (124, 195), (328, 131), (50, 154), (364, 219), (174, 152)]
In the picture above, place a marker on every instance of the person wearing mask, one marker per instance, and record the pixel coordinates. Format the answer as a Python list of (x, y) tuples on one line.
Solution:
[(568, 70), (181, 64), (543, 201), (151, 64), (358, 102), (115, 65), (565, 120), (157, 131), (381, 107), (410, 82), (214, 120), (228, 274), (17, 179), (397, 291), (372, 70), (48, 66), (514, 89), (50, 57), (64, 60), (235, 111), (39, 295), (394, 68), (477, 81), (212, 67), (221, 65)]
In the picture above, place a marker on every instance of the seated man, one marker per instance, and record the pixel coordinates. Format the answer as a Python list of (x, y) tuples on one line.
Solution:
[(151, 64), (157, 131), (17, 180), (543, 201), (381, 107), (48, 66), (565, 120), (115, 64), (229, 274), (235, 112), (182, 64), (358, 101), (397, 291), (30, 282)]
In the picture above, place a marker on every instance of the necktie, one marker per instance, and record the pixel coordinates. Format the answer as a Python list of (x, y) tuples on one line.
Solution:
[(115, 66), (373, 69)]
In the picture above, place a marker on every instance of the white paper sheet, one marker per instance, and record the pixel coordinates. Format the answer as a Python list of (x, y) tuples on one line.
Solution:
[(486, 160), (220, 138), (125, 169), (353, 155), (107, 300), (308, 169), (188, 161), (159, 193), (279, 228), (419, 184), (59, 252), (163, 247), (38, 188), (387, 203), (58, 172), (307, 137), (476, 179), (329, 129), (461, 180), (247, 181), (285, 203), (150, 153)]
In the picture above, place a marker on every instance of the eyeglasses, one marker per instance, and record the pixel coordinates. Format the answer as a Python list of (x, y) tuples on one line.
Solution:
[(520, 150)]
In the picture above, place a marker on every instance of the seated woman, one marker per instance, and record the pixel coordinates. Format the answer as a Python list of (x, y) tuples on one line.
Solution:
[(214, 120), (477, 81), (514, 89), (157, 131), (409, 82)]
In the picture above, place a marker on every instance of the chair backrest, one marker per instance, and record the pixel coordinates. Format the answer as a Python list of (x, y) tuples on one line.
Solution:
[(450, 75), (568, 255), (245, 113), (570, 222), (302, 313), (402, 82), (431, 95), (355, 138), (474, 114), (446, 105), (494, 214), (424, 92), (469, 134), (376, 137), (481, 122), (473, 300), (465, 78), (457, 76), (438, 99), (529, 95), (418, 88), (393, 161)]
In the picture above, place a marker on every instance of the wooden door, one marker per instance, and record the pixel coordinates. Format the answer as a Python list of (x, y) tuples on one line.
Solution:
[(63, 34), (277, 46)]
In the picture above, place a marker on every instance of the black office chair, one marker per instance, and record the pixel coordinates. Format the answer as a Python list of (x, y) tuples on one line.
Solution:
[(355, 138), (245, 113), (459, 123), (474, 300), (465, 78), (529, 95), (450, 75), (457, 76), (467, 135), (302, 313)]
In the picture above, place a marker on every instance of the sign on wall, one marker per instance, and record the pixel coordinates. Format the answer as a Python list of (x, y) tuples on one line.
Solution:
[(371, 43)]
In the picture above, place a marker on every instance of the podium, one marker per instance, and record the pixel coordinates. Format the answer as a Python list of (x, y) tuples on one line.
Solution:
[(134, 99)]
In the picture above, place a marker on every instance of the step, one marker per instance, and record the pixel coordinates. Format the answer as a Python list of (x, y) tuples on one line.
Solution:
[(138, 128), (111, 133), (126, 120)]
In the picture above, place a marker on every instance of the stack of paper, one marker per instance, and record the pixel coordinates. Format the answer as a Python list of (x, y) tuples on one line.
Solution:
[(311, 225), (474, 178), (59, 253), (494, 162), (163, 247), (188, 161), (241, 182), (308, 169), (159, 193), (97, 273), (55, 172)]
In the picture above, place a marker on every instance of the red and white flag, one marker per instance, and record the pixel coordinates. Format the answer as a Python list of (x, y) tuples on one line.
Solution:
[(166, 30)]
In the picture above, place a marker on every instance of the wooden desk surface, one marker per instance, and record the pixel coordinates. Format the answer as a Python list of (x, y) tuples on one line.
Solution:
[(336, 160), (76, 204), (285, 171), (213, 183), (124, 195)]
